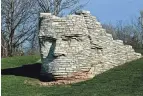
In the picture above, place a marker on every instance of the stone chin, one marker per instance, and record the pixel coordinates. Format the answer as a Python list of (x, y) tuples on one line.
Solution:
[(63, 66)]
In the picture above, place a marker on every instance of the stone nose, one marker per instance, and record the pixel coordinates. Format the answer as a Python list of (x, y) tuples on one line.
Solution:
[(58, 53), (59, 49)]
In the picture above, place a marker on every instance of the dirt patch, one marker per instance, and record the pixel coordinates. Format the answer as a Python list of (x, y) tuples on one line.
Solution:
[(77, 77)]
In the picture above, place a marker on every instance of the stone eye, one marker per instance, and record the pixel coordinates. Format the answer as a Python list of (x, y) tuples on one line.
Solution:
[(66, 38), (77, 38), (69, 38), (50, 39)]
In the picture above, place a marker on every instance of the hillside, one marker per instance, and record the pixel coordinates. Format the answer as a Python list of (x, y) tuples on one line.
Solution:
[(125, 80)]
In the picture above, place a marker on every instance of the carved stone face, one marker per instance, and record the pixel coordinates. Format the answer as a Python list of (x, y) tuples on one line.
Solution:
[(65, 45), (68, 52), (77, 43)]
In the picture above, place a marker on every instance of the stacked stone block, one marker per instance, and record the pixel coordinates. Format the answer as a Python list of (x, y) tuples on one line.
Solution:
[(78, 43)]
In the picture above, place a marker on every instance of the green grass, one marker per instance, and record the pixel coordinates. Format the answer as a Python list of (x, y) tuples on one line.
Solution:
[(17, 61), (125, 80)]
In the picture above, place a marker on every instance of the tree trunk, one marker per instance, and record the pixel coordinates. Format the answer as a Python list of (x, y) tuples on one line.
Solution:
[(10, 53), (10, 46)]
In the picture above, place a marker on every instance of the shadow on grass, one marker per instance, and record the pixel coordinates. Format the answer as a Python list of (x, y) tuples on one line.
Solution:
[(32, 71)]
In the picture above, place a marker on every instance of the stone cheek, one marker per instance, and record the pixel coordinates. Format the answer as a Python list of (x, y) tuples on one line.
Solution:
[(75, 56), (78, 43)]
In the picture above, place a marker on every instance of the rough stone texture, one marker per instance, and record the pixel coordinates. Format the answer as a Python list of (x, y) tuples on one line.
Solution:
[(78, 44)]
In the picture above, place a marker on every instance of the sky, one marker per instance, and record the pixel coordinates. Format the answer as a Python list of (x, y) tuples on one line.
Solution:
[(111, 11)]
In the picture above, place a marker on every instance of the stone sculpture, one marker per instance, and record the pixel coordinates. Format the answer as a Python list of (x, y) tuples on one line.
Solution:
[(78, 44)]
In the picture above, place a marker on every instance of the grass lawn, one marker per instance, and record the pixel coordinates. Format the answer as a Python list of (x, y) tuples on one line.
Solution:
[(125, 80)]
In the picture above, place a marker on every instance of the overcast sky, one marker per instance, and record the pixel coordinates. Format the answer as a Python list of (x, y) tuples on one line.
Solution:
[(114, 10)]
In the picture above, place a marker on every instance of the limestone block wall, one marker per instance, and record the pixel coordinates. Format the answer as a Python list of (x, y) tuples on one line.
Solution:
[(78, 43)]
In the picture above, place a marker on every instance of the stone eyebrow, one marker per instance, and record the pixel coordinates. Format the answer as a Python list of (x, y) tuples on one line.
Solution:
[(70, 36), (51, 38)]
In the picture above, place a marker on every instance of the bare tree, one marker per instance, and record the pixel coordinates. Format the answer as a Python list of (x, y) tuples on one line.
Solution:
[(4, 46), (19, 19), (141, 17), (57, 7), (110, 29), (130, 33), (18, 22), (141, 13)]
